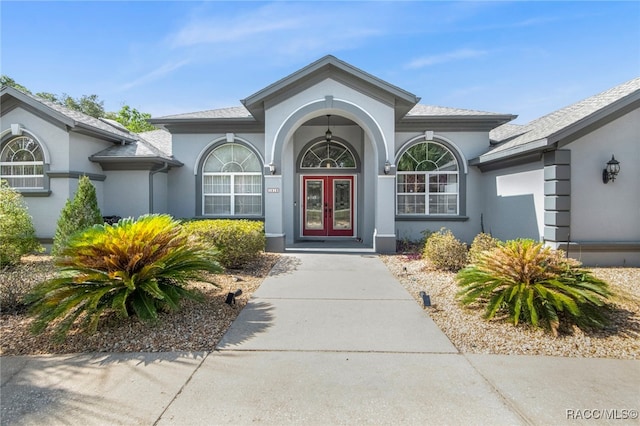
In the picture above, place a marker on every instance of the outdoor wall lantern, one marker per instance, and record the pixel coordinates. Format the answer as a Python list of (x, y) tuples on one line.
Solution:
[(272, 168), (387, 168), (611, 171)]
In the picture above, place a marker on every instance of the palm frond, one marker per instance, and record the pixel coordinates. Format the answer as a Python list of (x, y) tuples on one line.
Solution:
[(533, 284), (136, 266)]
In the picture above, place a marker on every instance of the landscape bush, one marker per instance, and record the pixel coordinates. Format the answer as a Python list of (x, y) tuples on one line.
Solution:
[(17, 234), (444, 251), (481, 243), (534, 284), (136, 267), (78, 214), (238, 241)]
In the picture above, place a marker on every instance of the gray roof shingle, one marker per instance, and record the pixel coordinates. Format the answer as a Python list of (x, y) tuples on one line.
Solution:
[(155, 144), (220, 113), (540, 131), (151, 145), (241, 112), (160, 139), (84, 120), (432, 110)]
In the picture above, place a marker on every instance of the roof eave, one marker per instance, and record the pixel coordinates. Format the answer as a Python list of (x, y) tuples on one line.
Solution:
[(199, 120), (108, 159), (210, 125), (93, 131), (67, 121), (454, 122), (519, 150), (72, 124)]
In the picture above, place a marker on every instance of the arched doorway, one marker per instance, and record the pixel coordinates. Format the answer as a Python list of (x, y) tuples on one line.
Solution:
[(368, 186), (328, 170)]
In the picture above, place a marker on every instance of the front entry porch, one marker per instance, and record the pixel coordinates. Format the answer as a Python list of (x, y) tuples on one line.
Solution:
[(335, 245)]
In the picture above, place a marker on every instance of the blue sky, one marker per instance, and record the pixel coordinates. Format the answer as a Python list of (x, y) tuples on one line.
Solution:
[(525, 58)]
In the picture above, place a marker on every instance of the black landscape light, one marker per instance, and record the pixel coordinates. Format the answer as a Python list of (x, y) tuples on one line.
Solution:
[(426, 300), (231, 297)]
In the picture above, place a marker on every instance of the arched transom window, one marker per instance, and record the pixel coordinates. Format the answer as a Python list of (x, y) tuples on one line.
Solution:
[(328, 155), (427, 181), (22, 163), (232, 182)]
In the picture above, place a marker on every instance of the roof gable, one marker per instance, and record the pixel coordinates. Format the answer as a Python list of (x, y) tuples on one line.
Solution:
[(74, 120), (330, 67), (565, 124)]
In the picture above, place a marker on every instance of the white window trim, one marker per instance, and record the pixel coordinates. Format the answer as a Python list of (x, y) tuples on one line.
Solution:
[(231, 194), (41, 164), (461, 173), (427, 193)]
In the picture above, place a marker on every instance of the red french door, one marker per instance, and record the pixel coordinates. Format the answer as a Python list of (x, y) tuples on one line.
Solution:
[(327, 206)]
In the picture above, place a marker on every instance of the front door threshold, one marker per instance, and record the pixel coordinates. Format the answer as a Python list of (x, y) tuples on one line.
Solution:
[(328, 246)]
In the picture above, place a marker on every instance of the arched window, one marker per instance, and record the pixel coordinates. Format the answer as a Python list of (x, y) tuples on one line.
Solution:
[(427, 181), (22, 163), (232, 182), (328, 155)]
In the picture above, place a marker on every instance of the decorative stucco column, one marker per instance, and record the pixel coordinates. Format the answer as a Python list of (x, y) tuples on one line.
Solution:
[(273, 224), (557, 196), (385, 232)]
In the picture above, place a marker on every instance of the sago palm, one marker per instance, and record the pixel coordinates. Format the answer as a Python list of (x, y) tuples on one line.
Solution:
[(133, 267), (534, 284)]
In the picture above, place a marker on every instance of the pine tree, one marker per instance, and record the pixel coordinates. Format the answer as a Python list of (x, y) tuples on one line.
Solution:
[(78, 214)]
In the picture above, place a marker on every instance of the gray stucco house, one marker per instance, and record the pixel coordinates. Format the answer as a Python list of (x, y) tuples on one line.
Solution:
[(331, 153)]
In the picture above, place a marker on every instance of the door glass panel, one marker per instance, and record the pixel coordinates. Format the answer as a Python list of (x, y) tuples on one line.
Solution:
[(314, 218), (341, 204)]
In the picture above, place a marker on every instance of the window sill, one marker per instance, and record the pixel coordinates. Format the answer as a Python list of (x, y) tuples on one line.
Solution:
[(245, 217), (34, 192), (431, 218)]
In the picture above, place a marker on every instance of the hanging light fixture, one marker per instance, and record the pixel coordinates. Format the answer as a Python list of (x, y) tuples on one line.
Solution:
[(327, 138), (328, 135)]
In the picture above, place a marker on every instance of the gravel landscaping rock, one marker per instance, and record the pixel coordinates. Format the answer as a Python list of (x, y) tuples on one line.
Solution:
[(471, 333), (199, 326), (195, 327)]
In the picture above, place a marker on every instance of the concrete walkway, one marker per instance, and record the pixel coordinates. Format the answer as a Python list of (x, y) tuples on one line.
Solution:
[(327, 339)]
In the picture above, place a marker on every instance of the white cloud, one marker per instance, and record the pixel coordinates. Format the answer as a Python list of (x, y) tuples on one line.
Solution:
[(281, 28), (455, 55), (213, 32), (157, 73)]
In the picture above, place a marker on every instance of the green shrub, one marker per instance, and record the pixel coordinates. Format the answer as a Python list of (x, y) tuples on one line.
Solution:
[(534, 284), (17, 234), (78, 214), (481, 243), (237, 241), (133, 267), (445, 251)]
